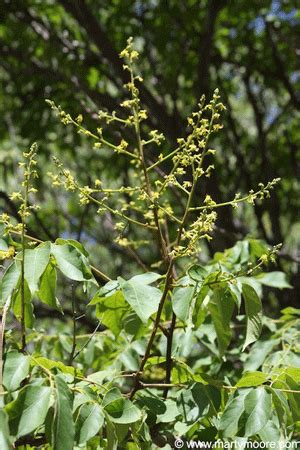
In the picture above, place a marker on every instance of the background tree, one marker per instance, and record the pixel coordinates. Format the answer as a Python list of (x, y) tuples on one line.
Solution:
[(68, 51)]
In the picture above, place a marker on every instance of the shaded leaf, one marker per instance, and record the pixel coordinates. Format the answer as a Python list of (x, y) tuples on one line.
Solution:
[(47, 291), (253, 309), (28, 308), (63, 430), (229, 422), (193, 402), (221, 307)]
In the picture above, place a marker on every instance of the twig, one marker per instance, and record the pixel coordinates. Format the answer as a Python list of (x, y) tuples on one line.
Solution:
[(88, 341), (71, 358), (169, 354), (98, 272), (2, 331)]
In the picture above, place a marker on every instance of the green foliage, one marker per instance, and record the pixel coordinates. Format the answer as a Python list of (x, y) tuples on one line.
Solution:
[(167, 357)]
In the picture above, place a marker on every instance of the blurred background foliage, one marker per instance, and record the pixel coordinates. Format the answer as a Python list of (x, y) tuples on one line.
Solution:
[(67, 50)]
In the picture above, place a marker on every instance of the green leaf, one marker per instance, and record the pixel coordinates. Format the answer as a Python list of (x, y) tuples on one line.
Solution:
[(196, 401), (5, 441), (71, 262), (16, 369), (153, 403), (221, 307), (270, 432), (274, 279), (123, 412), (181, 372), (119, 409), (3, 245), (88, 422), (258, 410), (293, 397), (182, 300), (75, 244), (281, 406), (236, 293), (253, 309), (49, 364), (63, 430), (146, 278), (293, 373), (134, 326), (35, 263), (229, 422), (258, 354), (9, 282), (197, 273), (291, 311), (142, 298), (47, 291), (170, 413), (105, 291), (111, 311), (252, 379), (29, 410), (28, 308)]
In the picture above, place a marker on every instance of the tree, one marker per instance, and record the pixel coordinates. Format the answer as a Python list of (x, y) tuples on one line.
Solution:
[(163, 365), (68, 51)]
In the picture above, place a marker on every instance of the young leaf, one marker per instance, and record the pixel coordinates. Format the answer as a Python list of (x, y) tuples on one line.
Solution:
[(253, 309), (63, 430), (142, 298), (16, 369), (71, 262), (251, 379), (88, 422), (49, 364), (29, 410), (35, 263)]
